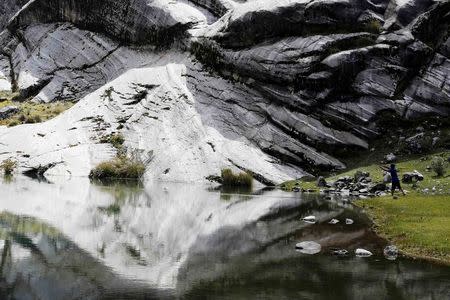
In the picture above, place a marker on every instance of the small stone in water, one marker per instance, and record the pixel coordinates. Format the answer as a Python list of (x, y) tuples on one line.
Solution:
[(333, 221), (390, 252), (309, 219), (340, 252), (308, 247), (362, 253), (349, 221)]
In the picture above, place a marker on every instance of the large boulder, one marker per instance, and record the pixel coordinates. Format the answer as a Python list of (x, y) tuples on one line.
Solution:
[(412, 177)]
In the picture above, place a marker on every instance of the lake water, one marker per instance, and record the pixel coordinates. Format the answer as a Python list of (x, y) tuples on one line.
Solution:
[(72, 239)]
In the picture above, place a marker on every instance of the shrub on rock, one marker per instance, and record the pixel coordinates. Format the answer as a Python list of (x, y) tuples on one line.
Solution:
[(231, 179), (119, 167), (8, 166)]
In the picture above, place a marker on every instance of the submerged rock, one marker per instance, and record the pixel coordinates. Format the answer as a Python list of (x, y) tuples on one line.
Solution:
[(308, 247), (340, 252), (309, 219)]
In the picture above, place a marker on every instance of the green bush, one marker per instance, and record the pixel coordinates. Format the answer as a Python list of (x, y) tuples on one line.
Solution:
[(231, 179), (8, 166), (13, 123), (119, 167), (32, 119), (115, 139), (113, 209), (374, 26), (438, 166)]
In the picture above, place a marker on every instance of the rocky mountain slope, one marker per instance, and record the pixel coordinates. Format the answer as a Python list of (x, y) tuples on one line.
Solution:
[(280, 88)]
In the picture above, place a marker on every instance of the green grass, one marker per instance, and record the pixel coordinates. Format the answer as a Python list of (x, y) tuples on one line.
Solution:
[(118, 167), (407, 164), (31, 112), (230, 179), (115, 139), (418, 224), (374, 26), (113, 209)]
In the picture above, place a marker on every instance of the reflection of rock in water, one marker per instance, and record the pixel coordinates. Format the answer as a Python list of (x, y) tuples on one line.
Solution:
[(186, 239), (260, 261), (273, 237), (326, 277), (38, 262)]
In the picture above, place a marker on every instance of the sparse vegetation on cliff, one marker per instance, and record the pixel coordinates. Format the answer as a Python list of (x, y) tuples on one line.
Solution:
[(30, 112), (119, 167)]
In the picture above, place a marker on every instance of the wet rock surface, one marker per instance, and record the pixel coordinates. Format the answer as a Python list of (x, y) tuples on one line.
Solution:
[(302, 81)]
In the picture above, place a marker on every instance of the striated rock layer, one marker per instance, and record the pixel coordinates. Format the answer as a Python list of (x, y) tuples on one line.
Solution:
[(279, 88)]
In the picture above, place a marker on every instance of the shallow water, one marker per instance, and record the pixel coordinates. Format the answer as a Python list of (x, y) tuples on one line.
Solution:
[(72, 239)]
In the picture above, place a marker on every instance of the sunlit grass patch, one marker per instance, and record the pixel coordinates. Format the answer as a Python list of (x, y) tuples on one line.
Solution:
[(418, 224)]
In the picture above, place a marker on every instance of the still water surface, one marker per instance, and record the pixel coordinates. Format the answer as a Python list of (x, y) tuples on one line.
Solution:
[(72, 239)]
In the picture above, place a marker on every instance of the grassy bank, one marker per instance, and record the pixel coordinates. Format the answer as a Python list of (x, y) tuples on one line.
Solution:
[(434, 184), (419, 225)]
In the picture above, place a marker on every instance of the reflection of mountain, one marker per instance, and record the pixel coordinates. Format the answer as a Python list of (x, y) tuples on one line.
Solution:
[(84, 240), (38, 262), (148, 233)]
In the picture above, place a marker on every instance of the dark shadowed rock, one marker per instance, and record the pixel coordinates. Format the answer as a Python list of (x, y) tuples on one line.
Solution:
[(8, 111)]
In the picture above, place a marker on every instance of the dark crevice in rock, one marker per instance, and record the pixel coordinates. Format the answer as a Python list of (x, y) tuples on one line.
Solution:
[(12, 74), (134, 22), (215, 7), (39, 171), (33, 90)]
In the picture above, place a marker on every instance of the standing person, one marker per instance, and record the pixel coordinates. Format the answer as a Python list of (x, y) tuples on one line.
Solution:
[(394, 179)]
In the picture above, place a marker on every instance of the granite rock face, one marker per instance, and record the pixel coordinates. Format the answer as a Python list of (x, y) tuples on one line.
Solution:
[(294, 82)]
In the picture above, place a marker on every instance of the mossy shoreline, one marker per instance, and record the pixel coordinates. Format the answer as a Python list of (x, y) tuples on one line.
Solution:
[(419, 225)]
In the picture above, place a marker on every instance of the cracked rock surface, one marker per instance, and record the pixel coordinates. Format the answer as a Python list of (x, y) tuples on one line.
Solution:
[(278, 87)]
